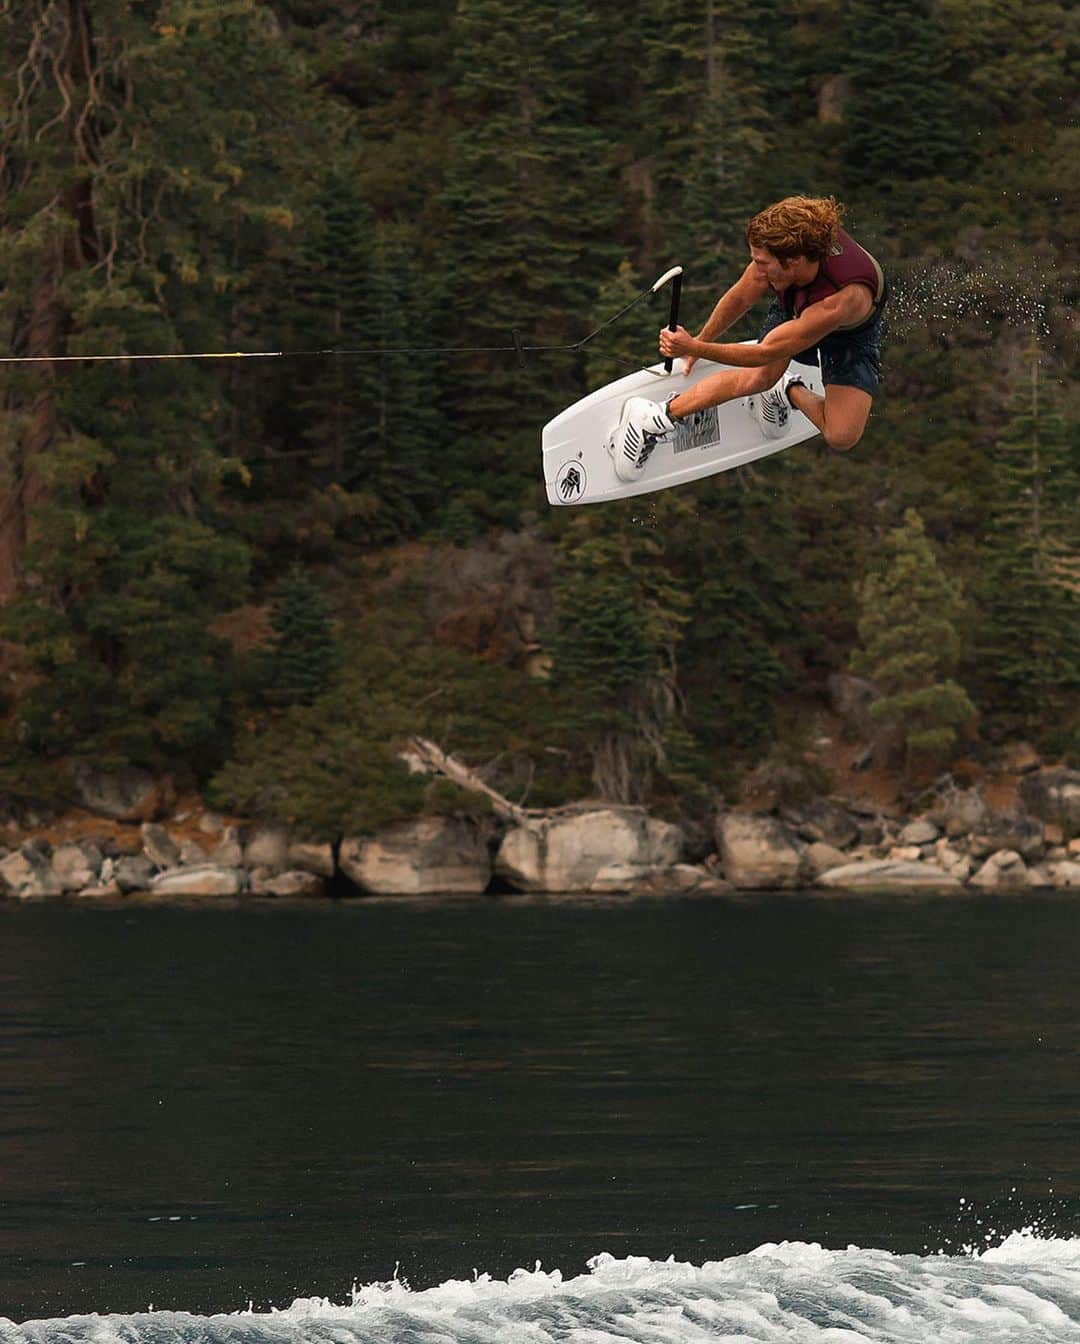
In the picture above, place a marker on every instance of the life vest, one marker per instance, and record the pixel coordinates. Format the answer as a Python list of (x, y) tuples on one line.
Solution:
[(847, 264)]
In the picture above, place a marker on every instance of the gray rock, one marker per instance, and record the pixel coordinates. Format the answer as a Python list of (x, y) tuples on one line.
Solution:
[(823, 821), (1024, 834), (229, 853), (192, 854), (1053, 796), (760, 853), (128, 795), (1003, 871), (566, 853), (28, 874), (287, 885), (133, 873), (159, 846), (77, 866), (920, 832), (871, 832), (208, 880), (965, 812), (678, 879), (1064, 873), (821, 857), (952, 860), (210, 824), (886, 877), (267, 847), (312, 859), (426, 855)]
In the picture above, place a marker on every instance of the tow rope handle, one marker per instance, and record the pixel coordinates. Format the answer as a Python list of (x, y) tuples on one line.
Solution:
[(675, 276)]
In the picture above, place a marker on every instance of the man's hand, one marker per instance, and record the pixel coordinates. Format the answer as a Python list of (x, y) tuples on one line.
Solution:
[(679, 344)]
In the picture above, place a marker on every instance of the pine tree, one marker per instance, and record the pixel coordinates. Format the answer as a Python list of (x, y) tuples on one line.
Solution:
[(530, 221), (619, 614), (303, 654), (1027, 661), (145, 190), (707, 88), (909, 614), (901, 122)]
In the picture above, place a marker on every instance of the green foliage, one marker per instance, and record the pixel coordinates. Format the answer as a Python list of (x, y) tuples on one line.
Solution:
[(241, 175), (902, 121), (335, 767), (303, 656), (619, 613), (1027, 649), (909, 612)]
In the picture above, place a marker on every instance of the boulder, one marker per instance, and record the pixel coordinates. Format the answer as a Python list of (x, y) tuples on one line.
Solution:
[(1065, 873), (312, 859), (207, 880), (677, 879), (132, 872), (920, 832), (159, 846), (191, 853), (126, 795), (823, 821), (820, 857), (27, 873), (966, 811), (77, 866), (953, 861), (267, 847), (566, 853), (1053, 796), (293, 883), (1004, 870), (760, 853), (426, 855), (887, 877), (1024, 834), (229, 852)]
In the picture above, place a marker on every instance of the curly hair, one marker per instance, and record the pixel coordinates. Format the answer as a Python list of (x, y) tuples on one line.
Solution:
[(798, 226)]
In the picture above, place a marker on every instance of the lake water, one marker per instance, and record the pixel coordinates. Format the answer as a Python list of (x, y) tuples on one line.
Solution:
[(206, 1108)]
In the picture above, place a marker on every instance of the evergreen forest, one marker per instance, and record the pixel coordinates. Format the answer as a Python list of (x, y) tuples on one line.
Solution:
[(260, 576)]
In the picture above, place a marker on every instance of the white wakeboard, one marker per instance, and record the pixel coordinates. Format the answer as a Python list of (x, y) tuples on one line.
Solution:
[(578, 468)]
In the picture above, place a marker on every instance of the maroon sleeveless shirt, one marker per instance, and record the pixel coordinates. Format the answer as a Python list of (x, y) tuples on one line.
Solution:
[(847, 264)]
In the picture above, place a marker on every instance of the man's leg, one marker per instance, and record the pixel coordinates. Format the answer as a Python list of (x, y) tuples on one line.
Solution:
[(841, 414), (728, 385)]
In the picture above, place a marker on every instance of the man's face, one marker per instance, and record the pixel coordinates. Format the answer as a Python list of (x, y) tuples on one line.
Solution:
[(777, 274)]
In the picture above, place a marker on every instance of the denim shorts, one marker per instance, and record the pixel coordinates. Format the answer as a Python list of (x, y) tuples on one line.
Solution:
[(848, 358)]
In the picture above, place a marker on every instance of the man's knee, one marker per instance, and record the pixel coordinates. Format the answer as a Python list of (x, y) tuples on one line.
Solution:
[(841, 441)]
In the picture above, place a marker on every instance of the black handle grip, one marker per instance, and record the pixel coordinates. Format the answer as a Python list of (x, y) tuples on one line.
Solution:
[(673, 318)]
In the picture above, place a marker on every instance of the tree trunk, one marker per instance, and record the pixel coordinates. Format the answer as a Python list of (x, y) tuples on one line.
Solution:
[(71, 245)]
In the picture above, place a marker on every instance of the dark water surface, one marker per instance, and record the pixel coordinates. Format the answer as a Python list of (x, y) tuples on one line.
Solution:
[(202, 1107)]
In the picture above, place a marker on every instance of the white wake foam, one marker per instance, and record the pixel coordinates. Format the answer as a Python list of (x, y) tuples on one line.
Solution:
[(1025, 1291)]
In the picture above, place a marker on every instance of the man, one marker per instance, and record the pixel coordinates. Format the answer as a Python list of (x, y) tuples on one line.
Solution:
[(828, 296)]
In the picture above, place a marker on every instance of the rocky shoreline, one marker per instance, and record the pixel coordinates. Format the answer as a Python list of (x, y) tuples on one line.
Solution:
[(958, 844)]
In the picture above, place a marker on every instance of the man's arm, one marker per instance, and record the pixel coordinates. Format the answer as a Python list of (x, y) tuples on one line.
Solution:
[(850, 305), (739, 299)]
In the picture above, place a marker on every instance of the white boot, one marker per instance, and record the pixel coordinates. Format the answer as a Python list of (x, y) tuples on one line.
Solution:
[(642, 424), (772, 409)]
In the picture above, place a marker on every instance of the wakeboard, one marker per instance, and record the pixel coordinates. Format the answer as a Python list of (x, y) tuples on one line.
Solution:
[(578, 466)]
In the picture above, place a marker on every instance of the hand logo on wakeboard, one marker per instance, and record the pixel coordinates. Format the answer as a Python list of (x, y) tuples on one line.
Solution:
[(570, 482)]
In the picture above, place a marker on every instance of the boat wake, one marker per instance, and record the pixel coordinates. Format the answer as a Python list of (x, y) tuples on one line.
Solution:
[(1025, 1291)]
